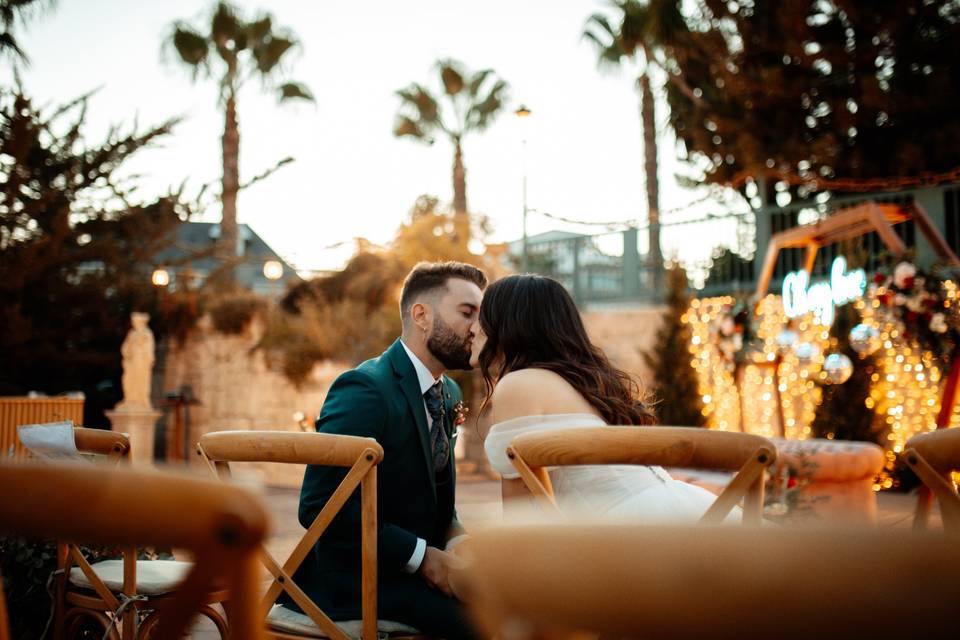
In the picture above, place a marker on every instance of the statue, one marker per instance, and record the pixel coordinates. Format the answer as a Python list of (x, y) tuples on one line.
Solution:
[(138, 356)]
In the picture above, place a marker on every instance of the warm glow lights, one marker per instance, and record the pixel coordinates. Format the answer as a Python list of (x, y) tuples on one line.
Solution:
[(272, 270), (160, 277), (905, 391)]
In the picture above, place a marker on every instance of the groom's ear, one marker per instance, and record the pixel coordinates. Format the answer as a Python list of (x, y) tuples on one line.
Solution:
[(420, 315)]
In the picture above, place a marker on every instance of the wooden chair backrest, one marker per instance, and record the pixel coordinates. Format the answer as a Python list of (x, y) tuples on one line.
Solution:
[(17, 410), (115, 447), (125, 507), (712, 582), (933, 456), (748, 455), (361, 456)]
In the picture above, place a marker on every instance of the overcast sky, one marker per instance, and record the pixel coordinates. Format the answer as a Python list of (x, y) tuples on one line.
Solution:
[(351, 176)]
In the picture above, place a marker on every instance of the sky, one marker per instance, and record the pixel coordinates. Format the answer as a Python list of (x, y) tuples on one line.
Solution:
[(351, 177)]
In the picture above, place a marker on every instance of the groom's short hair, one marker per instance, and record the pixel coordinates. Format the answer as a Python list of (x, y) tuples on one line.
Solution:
[(429, 277)]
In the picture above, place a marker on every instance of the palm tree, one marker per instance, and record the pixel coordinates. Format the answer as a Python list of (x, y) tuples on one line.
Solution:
[(473, 101), (231, 52), (644, 34)]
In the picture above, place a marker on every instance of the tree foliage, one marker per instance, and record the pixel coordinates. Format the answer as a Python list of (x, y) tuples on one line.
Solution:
[(805, 89), (75, 250), (676, 392)]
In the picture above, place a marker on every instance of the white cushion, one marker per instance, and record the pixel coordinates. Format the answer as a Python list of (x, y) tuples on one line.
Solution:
[(154, 577), (283, 619)]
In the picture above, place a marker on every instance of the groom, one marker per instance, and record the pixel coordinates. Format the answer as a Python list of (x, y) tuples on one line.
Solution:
[(402, 399)]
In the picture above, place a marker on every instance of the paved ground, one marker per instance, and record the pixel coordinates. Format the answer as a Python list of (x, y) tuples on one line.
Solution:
[(478, 501)]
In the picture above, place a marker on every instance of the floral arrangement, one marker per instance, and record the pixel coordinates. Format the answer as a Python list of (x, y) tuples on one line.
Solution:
[(924, 304), (460, 411)]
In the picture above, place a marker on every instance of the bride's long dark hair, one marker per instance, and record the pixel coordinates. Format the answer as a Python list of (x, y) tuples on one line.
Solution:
[(532, 322)]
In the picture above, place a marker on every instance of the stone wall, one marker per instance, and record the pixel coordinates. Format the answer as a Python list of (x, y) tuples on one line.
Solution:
[(238, 389)]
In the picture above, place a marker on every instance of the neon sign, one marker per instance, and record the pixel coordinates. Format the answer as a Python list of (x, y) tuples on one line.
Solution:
[(822, 298)]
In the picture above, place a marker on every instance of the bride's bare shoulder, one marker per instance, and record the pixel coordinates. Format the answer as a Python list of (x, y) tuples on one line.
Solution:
[(526, 392)]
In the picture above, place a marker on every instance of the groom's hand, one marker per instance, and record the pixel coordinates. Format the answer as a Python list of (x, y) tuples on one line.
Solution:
[(435, 569)]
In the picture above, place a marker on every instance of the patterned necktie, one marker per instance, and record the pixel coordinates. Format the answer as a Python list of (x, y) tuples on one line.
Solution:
[(438, 435)]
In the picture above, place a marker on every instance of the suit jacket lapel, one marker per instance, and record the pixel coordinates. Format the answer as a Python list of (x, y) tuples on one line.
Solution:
[(410, 387)]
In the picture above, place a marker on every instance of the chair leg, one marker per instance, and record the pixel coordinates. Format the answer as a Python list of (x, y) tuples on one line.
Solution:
[(217, 619), (74, 618)]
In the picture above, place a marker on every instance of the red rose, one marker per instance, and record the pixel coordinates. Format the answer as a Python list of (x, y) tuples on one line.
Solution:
[(885, 298), (930, 303), (879, 278), (911, 316), (908, 282), (791, 482)]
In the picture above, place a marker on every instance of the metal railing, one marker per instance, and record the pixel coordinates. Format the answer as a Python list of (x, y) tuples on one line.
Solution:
[(613, 266)]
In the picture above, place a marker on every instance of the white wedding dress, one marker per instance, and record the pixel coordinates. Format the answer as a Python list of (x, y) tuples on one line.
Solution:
[(631, 493)]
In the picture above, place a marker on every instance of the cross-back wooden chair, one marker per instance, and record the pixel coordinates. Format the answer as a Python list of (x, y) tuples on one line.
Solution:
[(128, 588), (748, 455), (222, 526), (551, 581), (361, 456), (932, 456)]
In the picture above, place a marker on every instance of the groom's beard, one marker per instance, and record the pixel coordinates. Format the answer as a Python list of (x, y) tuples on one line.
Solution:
[(451, 350)]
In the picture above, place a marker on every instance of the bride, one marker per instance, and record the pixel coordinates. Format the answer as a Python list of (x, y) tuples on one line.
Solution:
[(543, 372)]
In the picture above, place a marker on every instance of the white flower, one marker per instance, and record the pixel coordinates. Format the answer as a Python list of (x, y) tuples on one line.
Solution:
[(938, 323), (902, 273)]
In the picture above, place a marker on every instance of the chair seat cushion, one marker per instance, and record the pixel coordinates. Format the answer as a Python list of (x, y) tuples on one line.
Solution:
[(154, 577), (283, 619)]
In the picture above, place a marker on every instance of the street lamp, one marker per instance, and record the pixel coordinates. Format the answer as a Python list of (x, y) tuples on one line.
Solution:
[(160, 277), (523, 112), (272, 271)]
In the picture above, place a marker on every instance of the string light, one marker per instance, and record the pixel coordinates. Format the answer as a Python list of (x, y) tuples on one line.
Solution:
[(905, 390)]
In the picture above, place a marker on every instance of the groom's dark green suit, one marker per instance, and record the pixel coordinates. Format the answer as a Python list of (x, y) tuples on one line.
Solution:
[(382, 399)]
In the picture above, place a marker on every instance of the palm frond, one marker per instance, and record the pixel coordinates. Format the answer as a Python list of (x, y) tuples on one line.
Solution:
[(425, 104), (190, 45), (476, 81), (481, 114), (258, 30), (452, 77), (295, 90), (225, 24), (269, 53), (604, 38), (406, 126)]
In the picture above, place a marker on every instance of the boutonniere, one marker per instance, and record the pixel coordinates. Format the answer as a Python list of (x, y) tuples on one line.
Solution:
[(460, 411)]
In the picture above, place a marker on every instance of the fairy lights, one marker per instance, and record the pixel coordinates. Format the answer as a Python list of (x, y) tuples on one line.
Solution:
[(905, 389)]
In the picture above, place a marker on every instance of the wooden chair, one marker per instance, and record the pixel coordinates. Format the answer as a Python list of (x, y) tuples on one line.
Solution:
[(748, 455), (16, 411), (134, 588), (361, 456), (712, 582), (932, 456), (222, 526)]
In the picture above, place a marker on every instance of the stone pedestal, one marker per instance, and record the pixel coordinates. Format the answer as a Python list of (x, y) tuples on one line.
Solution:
[(139, 424)]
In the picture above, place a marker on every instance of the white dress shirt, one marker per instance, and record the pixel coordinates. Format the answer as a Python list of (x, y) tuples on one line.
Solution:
[(426, 380)]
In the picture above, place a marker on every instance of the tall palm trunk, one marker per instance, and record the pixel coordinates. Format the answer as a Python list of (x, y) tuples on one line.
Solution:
[(227, 249), (649, 119), (461, 219)]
